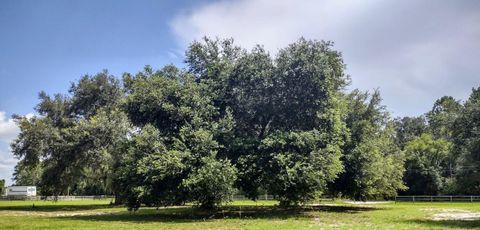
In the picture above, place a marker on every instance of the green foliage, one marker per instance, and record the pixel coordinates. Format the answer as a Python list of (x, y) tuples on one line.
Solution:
[(442, 116), (298, 165), (242, 120), (25, 174), (149, 173), (169, 103), (91, 94), (466, 137), (30, 146), (72, 145), (408, 128), (2, 187), (187, 126), (425, 165), (296, 93), (212, 183), (373, 163), (438, 162)]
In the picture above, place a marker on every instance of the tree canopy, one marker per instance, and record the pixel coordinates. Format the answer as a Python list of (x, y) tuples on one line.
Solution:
[(242, 121)]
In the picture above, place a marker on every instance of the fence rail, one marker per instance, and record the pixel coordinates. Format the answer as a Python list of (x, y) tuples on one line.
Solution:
[(260, 197), (438, 198)]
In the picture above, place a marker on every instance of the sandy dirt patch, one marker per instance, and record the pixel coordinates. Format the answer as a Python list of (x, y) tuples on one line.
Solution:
[(454, 214)]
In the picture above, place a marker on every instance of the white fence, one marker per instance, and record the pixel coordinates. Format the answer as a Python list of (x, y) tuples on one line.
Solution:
[(438, 198), (260, 197)]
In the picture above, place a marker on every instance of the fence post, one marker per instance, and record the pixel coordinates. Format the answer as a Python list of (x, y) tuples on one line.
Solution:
[(471, 198), (413, 198), (451, 199)]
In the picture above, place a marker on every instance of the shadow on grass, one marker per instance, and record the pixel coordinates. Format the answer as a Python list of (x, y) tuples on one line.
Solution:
[(53, 207), (188, 214), (464, 224)]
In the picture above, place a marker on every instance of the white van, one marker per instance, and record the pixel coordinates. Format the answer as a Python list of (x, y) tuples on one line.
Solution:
[(21, 191)]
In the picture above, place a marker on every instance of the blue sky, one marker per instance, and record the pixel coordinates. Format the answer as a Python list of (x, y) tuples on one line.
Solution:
[(413, 51), (44, 45)]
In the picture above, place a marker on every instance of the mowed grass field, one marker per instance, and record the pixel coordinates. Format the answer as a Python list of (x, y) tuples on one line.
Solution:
[(95, 214)]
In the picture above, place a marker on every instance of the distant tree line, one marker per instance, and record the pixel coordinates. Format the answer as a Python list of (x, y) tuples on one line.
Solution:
[(238, 121), (2, 187), (442, 148)]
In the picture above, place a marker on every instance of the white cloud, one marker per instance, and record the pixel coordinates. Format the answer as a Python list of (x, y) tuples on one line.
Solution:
[(8, 128), (415, 51), (8, 132), (7, 164)]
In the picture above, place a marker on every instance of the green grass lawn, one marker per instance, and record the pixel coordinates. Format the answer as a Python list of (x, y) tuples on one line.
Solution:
[(95, 214)]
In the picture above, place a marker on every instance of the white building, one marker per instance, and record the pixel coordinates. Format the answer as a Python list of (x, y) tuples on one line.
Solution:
[(21, 191)]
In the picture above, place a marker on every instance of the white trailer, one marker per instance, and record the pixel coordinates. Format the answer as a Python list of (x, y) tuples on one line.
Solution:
[(21, 191)]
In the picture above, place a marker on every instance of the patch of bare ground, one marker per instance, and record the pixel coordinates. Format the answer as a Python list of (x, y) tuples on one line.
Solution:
[(453, 214)]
